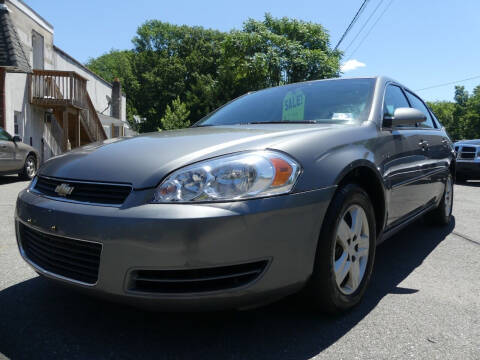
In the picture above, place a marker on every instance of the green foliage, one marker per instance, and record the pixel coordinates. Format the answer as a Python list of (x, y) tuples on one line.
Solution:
[(119, 64), (205, 68), (176, 116), (274, 52), (462, 117)]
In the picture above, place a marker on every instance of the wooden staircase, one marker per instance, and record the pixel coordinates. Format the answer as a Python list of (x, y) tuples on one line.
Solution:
[(65, 92)]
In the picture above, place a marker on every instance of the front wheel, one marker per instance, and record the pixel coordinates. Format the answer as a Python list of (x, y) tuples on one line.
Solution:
[(29, 168), (345, 251)]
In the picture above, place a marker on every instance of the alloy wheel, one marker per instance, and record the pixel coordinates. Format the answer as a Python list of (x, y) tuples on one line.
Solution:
[(448, 196), (30, 167), (351, 250)]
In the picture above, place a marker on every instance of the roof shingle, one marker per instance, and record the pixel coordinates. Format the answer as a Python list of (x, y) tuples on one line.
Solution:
[(12, 54)]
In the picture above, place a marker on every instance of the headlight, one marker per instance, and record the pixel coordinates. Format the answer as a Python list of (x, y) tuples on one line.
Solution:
[(239, 176)]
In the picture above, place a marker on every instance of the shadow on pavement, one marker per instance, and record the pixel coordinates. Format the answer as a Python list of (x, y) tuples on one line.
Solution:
[(10, 179), (473, 183), (42, 321)]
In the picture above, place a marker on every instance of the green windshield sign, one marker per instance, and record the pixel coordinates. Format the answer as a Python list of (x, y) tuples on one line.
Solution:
[(293, 106)]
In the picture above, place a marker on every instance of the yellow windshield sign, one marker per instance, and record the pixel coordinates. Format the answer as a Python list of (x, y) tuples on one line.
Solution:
[(293, 106)]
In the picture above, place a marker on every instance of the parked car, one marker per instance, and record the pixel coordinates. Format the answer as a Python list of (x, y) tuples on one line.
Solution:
[(285, 189), (468, 159), (17, 157)]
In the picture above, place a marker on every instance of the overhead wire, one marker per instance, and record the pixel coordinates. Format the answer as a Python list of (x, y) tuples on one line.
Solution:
[(354, 20), (449, 83), (364, 25), (371, 28)]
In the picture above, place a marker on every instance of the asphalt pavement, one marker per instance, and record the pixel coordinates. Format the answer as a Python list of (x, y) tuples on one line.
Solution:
[(423, 303)]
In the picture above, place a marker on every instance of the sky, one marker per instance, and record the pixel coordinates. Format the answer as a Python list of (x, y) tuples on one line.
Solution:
[(420, 43)]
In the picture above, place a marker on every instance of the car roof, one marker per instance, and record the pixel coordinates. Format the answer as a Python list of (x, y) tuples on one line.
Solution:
[(381, 80)]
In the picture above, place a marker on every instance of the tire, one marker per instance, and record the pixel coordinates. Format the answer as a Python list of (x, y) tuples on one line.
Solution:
[(443, 213), (29, 168), (337, 245)]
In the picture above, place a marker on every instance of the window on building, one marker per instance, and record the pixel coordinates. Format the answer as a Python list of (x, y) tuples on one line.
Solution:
[(115, 131), (37, 48), (18, 124)]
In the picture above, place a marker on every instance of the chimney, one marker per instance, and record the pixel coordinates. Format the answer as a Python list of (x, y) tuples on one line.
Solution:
[(116, 99)]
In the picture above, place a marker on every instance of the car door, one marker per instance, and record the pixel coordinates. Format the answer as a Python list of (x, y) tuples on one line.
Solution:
[(7, 152), (404, 158), (436, 149)]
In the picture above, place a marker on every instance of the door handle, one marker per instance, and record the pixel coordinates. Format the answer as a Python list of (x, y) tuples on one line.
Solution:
[(423, 144)]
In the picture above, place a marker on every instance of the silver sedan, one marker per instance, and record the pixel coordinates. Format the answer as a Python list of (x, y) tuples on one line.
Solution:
[(17, 157), (283, 189)]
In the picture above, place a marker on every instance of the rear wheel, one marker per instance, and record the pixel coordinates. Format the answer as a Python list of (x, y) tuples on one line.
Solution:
[(443, 213), (345, 252), (29, 168)]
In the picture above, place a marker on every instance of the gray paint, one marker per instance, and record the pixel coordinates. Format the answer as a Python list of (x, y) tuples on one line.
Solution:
[(409, 164), (13, 155)]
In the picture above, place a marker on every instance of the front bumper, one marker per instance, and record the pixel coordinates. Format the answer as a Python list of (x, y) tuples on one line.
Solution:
[(468, 168), (138, 236)]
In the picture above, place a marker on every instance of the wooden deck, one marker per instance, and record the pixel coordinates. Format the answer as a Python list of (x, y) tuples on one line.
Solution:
[(65, 92), (52, 89)]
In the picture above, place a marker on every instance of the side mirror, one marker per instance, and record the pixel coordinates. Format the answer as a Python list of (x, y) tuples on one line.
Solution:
[(404, 116), (17, 139)]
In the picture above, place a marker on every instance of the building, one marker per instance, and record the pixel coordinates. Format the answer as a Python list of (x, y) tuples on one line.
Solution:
[(48, 98)]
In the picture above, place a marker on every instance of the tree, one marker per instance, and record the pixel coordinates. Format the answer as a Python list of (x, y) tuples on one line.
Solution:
[(462, 117), (176, 116), (444, 111), (274, 52), (119, 64), (206, 68)]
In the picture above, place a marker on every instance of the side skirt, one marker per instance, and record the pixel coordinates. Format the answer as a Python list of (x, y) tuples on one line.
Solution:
[(389, 232)]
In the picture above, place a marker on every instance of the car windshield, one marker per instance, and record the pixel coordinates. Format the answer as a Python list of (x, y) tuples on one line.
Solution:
[(343, 101)]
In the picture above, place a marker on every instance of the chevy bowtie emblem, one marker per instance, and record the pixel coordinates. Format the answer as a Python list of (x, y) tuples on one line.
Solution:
[(64, 189)]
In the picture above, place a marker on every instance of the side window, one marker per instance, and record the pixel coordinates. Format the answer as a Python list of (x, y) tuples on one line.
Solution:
[(4, 135), (419, 105), (435, 120), (394, 98)]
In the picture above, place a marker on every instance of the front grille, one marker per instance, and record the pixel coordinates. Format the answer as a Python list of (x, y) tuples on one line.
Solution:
[(467, 156), (468, 152), (195, 280), (72, 259), (86, 192)]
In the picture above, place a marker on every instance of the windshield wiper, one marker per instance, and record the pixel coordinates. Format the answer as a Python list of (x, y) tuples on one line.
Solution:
[(281, 122), (203, 125)]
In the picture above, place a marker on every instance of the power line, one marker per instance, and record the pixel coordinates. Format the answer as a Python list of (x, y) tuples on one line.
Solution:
[(363, 26), (449, 83), (371, 28), (355, 18)]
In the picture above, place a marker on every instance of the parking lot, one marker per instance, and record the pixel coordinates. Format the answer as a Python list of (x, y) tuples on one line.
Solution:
[(423, 302)]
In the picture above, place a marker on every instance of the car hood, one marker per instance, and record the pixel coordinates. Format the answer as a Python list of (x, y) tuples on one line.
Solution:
[(145, 160), (468, 142)]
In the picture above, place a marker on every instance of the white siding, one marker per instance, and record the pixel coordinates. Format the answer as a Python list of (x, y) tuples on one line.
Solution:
[(16, 90), (97, 88)]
